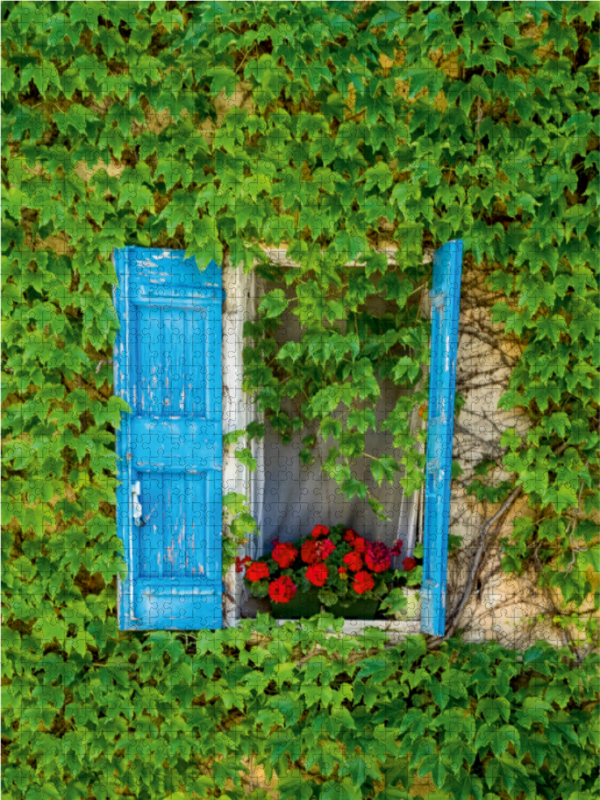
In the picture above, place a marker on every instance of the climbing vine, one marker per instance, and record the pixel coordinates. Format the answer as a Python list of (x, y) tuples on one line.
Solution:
[(233, 713), (339, 131)]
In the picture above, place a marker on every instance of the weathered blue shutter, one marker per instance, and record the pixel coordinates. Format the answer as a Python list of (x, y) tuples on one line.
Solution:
[(445, 299), (168, 369)]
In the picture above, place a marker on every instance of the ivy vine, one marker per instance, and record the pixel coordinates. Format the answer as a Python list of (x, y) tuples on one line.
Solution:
[(336, 130)]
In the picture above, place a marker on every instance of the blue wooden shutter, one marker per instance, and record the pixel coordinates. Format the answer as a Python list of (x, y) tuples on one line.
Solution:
[(445, 299), (168, 369)]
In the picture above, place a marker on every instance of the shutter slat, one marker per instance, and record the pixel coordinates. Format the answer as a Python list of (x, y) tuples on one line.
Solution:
[(445, 298), (167, 367)]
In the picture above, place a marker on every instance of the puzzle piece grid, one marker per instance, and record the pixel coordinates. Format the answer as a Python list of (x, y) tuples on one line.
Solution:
[(289, 499)]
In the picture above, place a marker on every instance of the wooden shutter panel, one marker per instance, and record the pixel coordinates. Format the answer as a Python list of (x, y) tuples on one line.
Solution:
[(445, 298), (167, 367)]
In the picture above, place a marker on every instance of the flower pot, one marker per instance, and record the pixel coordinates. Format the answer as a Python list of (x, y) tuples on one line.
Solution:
[(359, 609), (307, 604)]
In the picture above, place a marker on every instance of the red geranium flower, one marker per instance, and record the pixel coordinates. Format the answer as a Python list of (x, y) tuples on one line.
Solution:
[(354, 561), (363, 582), (282, 590), (316, 551), (257, 571), (309, 552), (349, 535), (319, 530), (284, 554), (343, 573), (317, 574), (360, 544), (240, 563), (409, 564), (325, 548), (395, 551), (378, 557)]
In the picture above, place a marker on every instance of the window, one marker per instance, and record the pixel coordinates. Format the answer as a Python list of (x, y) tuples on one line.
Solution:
[(180, 373)]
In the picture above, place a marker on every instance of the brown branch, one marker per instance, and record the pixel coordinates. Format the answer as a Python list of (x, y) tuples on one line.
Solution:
[(466, 432), (475, 567), (479, 121), (490, 341), (487, 418), (316, 650), (487, 534)]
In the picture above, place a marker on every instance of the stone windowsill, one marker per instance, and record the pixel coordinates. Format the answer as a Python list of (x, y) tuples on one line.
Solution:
[(396, 630)]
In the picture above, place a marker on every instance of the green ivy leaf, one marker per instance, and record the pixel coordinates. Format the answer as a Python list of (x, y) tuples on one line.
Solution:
[(274, 303), (244, 456)]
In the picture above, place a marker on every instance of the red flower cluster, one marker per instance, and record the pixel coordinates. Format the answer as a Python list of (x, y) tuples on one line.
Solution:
[(378, 557), (282, 590), (317, 574), (396, 549), (354, 561), (284, 554), (316, 551), (357, 565), (355, 541), (257, 571), (240, 563), (363, 582)]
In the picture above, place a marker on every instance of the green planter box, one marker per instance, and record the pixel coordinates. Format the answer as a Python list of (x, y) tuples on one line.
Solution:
[(307, 604)]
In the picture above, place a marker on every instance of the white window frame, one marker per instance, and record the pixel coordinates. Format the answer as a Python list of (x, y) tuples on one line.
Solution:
[(240, 305)]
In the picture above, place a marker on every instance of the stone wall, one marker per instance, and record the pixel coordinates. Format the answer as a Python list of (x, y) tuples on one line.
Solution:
[(510, 609)]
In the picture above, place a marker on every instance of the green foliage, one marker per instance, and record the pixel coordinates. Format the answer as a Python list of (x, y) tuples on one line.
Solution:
[(238, 523), (166, 713), (120, 127)]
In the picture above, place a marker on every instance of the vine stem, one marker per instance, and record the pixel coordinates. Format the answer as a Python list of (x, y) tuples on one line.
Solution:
[(484, 538), (483, 541), (479, 121)]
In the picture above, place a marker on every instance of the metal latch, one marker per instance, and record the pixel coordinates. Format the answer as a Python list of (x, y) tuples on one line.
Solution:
[(136, 491)]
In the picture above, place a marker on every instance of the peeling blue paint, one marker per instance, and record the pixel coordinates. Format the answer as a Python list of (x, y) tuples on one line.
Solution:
[(445, 298), (167, 367)]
